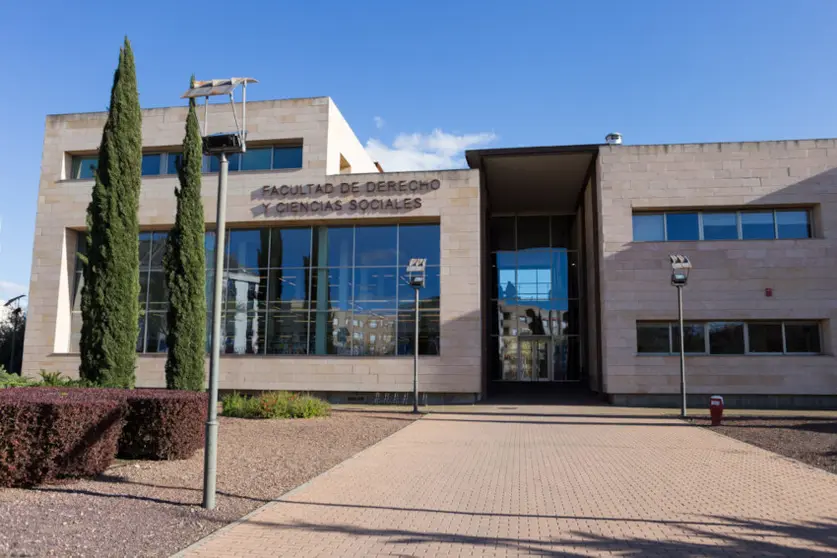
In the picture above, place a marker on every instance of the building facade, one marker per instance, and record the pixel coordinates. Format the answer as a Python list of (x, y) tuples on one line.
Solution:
[(547, 267)]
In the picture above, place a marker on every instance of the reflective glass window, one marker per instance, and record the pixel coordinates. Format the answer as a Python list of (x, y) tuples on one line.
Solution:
[(155, 337), (248, 249), (504, 274), (757, 225), (244, 332), (151, 164), (158, 249), (418, 241), (501, 232), (287, 157), (802, 338), (793, 224), (234, 161), (375, 283), (173, 161), (256, 159), (532, 232), (648, 227), (682, 226), (84, 167), (289, 284), (720, 226), (694, 337), (290, 247), (429, 339), (765, 338), (376, 246), (652, 338), (726, 338), (287, 333)]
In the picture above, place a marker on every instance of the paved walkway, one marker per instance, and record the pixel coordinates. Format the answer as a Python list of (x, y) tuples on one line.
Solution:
[(548, 481)]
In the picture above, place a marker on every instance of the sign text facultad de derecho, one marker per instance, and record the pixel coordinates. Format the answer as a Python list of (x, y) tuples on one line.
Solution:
[(385, 196)]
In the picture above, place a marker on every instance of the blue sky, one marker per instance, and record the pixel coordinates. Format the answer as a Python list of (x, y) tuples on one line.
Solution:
[(421, 81)]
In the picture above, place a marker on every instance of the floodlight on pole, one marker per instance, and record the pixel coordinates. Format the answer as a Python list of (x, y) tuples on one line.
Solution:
[(680, 266), (416, 277), (219, 144)]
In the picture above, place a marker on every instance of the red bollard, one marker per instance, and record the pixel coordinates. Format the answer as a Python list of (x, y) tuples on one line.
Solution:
[(716, 409)]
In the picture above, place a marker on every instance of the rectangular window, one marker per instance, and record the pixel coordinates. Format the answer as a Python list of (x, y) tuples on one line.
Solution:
[(287, 157), (793, 224), (84, 167), (764, 224), (682, 226), (726, 338), (279, 298), (757, 225), (694, 337), (649, 227), (720, 226), (652, 338), (151, 164), (256, 159), (765, 338), (802, 338)]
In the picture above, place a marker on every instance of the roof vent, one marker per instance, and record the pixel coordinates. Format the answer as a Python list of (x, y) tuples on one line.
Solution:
[(614, 138)]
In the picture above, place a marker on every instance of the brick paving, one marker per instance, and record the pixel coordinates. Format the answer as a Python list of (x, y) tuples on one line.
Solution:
[(548, 481)]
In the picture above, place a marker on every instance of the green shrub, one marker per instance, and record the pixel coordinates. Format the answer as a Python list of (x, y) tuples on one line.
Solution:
[(13, 380), (238, 406), (56, 379), (274, 405)]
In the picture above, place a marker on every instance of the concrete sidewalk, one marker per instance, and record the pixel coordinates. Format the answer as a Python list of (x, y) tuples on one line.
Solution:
[(548, 481)]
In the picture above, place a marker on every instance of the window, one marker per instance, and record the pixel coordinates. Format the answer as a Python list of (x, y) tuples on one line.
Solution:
[(287, 157), (303, 290), (652, 338), (256, 159), (682, 226), (84, 167), (765, 338), (757, 225), (802, 338), (151, 164), (729, 338), (722, 225), (694, 338), (793, 224)]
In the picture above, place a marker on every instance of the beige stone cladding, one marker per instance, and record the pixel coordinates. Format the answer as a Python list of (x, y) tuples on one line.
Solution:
[(729, 277), (454, 204)]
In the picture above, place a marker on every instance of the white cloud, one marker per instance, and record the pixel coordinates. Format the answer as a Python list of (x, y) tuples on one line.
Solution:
[(379, 122), (8, 289), (434, 151)]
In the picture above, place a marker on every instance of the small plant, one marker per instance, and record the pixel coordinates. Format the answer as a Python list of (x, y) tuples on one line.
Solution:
[(238, 406), (274, 405), (56, 379), (8, 380)]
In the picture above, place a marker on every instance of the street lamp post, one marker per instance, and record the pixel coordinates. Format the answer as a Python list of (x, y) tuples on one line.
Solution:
[(680, 266), (219, 145), (416, 276)]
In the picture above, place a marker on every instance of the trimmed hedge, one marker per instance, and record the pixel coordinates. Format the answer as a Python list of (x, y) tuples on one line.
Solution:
[(163, 424), (50, 434), (274, 405)]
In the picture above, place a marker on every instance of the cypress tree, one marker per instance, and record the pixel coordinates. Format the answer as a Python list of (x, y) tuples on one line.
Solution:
[(185, 267), (109, 298)]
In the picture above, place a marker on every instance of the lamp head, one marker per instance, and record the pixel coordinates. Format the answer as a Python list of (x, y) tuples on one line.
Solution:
[(680, 266)]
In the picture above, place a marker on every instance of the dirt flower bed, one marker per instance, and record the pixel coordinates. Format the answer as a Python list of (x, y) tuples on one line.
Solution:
[(152, 508), (810, 440)]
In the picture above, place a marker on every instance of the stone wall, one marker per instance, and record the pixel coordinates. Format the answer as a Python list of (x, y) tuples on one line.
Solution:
[(729, 277)]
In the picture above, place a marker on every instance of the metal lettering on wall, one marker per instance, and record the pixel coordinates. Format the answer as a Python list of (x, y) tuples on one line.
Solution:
[(401, 196)]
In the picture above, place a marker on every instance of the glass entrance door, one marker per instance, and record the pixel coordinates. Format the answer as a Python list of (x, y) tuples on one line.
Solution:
[(533, 360)]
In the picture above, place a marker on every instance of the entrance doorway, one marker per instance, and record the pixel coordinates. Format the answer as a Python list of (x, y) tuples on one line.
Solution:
[(537, 359)]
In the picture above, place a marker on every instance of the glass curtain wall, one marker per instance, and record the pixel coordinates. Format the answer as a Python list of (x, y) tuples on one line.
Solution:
[(534, 325), (304, 290)]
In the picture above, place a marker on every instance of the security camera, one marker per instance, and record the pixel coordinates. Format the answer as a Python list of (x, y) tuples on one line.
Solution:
[(417, 281), (678, 279)]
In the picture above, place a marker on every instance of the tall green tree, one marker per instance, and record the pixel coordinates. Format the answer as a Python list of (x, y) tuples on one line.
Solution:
[(109, 297), (185, 265)]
